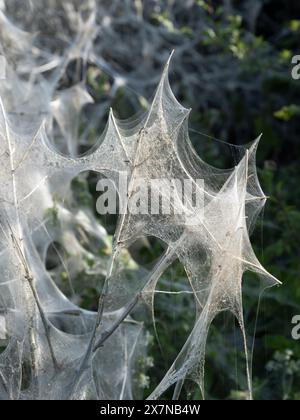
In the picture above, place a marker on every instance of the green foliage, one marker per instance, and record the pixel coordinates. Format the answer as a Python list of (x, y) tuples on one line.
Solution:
[(286, 113)]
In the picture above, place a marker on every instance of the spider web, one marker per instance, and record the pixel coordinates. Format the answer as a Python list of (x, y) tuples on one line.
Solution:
[(69, 352)]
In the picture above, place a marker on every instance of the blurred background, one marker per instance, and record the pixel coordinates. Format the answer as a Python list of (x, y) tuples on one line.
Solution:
[(232, 65)]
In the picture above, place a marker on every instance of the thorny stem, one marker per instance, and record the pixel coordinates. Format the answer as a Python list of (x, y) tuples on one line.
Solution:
[(162, 264), (96, 326), (98, 321), (44, 321), (106, 334), (28, 277), (136, 164), (93, 347), (116, 249)]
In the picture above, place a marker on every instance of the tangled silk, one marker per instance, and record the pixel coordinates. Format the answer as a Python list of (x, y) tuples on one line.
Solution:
[(53, 348)]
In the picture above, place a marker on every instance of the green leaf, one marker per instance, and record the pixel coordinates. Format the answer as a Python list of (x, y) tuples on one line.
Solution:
[(288, 112)]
